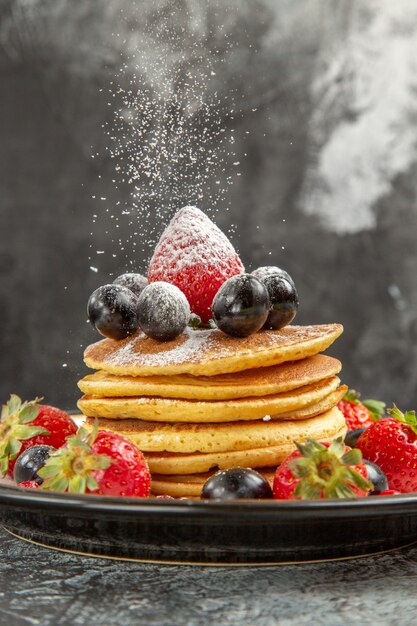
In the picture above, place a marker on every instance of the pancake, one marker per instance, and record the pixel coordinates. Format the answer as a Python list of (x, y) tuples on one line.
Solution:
[(262, 381), (175, 410), (190, 485), (323, 428), (208, 352), (215, 437)]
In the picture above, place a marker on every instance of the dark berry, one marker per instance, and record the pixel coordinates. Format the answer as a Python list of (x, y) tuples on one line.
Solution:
[(377, 478), (236, 483), (134, 282), (163, 311), (352, 436), (283, 301), (268, 270), (241, 306), (112, 309), (30, 462)]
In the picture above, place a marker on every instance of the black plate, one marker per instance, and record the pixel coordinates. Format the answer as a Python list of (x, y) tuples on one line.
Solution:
[(210, 532)]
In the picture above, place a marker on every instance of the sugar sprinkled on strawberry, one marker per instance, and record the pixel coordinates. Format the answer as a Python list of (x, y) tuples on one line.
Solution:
[(97, 462), (27, 424), (320, 470), (360, 414), (391, 443), (197, 257)]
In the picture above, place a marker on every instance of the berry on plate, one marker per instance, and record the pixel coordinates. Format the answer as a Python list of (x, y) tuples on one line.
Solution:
[(29, 484), (241, 306), (319, 470), (163, 311), (236, 483), (360, 414), (391, 443), (30, 462), (134, 282), (113, 311), (27, 424), (352, 436), (97, 462), (197, 257), (377, 478)]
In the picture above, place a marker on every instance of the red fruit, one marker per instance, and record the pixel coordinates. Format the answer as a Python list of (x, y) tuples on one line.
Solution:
[(391, 443), (29, 484), (389, 492), (99, 462), (197, 257), (27, 424), (321, 470), (360, 414)]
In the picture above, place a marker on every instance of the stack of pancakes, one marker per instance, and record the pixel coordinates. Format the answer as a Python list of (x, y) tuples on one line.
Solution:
[(207, 401)]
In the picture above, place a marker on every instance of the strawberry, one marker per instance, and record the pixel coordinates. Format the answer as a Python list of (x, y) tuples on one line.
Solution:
[(391, 443), (29, 484), (27, 424), (360, 414), (320, 470), (97, 462), (389, 492), (197, 257)]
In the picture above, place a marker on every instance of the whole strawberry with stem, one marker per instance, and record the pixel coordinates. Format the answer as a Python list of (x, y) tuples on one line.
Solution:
[(197, 257), (97, 462), (360, 414), (391, 443), (320, 470), (27, 424)]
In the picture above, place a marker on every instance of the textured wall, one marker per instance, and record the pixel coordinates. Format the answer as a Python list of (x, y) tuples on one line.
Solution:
[(318, 107)]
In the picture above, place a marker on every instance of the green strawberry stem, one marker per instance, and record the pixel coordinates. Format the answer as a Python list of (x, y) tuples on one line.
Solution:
[(327, 472), (70, 468), (409, 417), (15, 420)]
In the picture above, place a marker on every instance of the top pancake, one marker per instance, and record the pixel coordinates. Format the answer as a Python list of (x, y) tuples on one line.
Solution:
[(208, 352), (262, 381)]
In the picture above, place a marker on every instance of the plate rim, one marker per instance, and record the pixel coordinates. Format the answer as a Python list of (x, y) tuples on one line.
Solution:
[(17, 497)]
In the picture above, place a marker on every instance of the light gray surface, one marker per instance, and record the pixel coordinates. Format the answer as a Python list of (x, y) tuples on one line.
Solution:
[(43, 587)]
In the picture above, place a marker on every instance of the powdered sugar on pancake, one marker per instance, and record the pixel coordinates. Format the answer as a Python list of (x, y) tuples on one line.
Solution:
[(170, 352)]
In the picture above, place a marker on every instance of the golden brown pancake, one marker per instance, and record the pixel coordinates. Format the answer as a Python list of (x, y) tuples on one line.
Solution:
[(208, 352), (262, 381), (323, 428), (215, 437), (174, 410), (190, 485)]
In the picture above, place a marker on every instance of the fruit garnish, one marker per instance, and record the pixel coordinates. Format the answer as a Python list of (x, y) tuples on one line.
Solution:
[(377, 477), (29, 484), (316, 470), (134, 282), (236, 483), (352, 436), (113, 311), (391, 443), (163, 311), (272, 270), (97, 462), (197, 257), (283, 300), (30, 462), (25, 424), (241, 306), (359, 414)]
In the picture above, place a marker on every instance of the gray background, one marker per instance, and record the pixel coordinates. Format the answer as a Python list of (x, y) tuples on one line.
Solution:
[(320, 99)]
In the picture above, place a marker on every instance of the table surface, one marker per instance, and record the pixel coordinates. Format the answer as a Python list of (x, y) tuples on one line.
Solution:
[(39, 586)]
